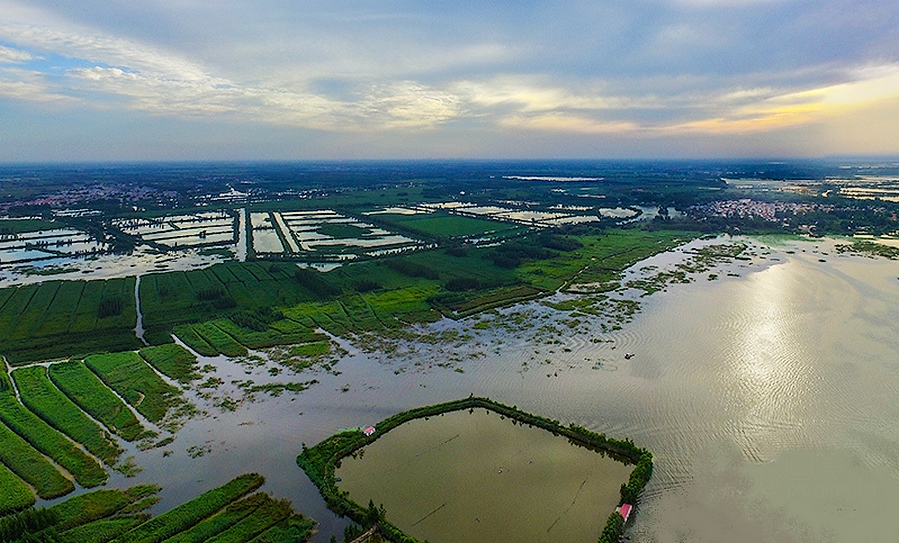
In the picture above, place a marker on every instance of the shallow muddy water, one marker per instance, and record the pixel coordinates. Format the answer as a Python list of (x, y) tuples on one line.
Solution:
[(479, 478), (768, 396)]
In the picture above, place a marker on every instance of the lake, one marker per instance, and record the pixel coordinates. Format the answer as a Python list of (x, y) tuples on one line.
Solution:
[(768, 396), (479, 477)]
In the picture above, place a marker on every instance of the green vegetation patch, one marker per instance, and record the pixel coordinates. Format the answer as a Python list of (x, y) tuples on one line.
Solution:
[(318, 348), (221, 521), (343, 230), (187, 515), (22, 226), (46, 401), (14, 494), (13, 527), (84, 388), (169, 299), (443, 225), (59, 319), (44, 438), (99, 504), (269, 513), (869, 248), (172, 360), (31, 466), (295, 529), (140, 386), (279, 332), (219, 339), (192, 339), (462, 304), (101, 531), (320, 462)]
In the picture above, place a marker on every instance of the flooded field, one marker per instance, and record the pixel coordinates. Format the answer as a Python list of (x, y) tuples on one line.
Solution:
[(47, 244), (477, 477), (181, 231), (766, 388)]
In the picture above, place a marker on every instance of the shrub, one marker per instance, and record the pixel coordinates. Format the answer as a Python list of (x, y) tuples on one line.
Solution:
[(312, 281), (110, 307), (209, 294), (412, 269), (460, 284), (367, 285)]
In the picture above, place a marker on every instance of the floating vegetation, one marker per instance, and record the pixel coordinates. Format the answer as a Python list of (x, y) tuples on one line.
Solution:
[(870, 249)]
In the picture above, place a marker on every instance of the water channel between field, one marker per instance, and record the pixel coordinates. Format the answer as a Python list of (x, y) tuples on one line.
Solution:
[(480, 478), (768, 397)]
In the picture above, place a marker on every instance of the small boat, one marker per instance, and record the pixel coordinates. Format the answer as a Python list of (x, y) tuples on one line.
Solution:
[(628, 356)]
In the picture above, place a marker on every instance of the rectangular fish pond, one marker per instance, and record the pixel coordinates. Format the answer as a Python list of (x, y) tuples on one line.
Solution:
[(478, 471)]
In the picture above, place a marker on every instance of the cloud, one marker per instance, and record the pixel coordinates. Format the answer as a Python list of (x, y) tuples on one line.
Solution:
[(28, 86), (651, 68), (13, 56), (867, 88)]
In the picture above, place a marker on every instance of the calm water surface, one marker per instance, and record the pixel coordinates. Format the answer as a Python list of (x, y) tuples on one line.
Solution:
[(477, 477), (769, 399)]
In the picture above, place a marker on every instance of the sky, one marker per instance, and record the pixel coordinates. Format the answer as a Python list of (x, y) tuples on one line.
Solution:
[(110, 80)]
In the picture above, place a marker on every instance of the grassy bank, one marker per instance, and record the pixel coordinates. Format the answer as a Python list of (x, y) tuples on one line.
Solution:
[(29, 465), (14, 494)]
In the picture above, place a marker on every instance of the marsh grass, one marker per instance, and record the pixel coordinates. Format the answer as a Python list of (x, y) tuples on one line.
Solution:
[(133, 380), (46, 401), (86, 390)]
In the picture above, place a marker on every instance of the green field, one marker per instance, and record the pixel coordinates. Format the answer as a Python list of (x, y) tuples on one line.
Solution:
[(31, 466), (100, 504), (103, 530), (172, 360), (231, 307), (269, 513), (131, 377), (173, 298), (187, 515), (45, 400), (211, 335), (14, 494), (84, 388), (58, 319), (87, 472), (21, 226), (221, 521), (601, 258), (187, 334), (220, 515), (445, 225), (291, 530)]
